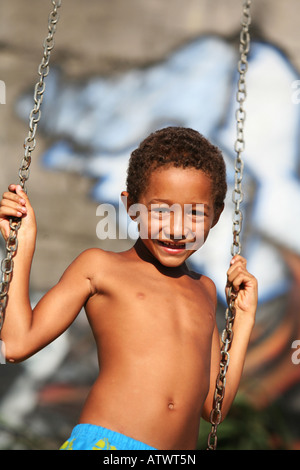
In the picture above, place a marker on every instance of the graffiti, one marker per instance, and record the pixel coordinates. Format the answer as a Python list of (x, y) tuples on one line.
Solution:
[(192, 88), (195, 87)]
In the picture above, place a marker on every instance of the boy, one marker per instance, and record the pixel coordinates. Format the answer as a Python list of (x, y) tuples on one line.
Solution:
[(152, 318)]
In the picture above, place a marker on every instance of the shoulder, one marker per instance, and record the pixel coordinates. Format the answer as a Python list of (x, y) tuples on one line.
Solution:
[(92, 258), (210, 287), (90, 261), (203, 280), (91, 265), (98, 262), (209, 283), (91, 254)]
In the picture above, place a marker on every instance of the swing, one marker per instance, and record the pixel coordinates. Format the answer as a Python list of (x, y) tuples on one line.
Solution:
[(29, 146), (237, 196)]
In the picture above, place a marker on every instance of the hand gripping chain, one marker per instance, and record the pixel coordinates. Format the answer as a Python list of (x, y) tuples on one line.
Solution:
[(237, 198), (29, 146)]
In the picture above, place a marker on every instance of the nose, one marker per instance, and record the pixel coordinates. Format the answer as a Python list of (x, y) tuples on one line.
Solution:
[(174, 228), (177, 226)]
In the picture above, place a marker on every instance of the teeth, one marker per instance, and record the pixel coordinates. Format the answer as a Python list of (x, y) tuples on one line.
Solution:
[(172, 245)]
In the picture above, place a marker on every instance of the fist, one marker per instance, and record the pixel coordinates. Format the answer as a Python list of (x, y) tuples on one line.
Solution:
[(15, 203), (244, 284)]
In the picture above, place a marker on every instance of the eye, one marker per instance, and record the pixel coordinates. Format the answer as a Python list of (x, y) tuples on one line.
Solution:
[(198, 213), (160, 211)]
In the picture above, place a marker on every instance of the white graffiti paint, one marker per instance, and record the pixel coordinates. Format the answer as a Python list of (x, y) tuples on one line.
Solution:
[(194, 87)]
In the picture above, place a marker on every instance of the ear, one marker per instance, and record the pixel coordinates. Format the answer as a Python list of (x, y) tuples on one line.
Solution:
[(217, 216), (127, 201), (124, 198)]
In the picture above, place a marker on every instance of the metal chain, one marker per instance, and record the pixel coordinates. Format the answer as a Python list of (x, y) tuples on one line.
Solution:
[(237, 198), (29, 145)]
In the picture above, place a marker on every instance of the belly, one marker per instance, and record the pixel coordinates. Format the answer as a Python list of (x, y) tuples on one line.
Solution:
[(154, 373), (157, 401)]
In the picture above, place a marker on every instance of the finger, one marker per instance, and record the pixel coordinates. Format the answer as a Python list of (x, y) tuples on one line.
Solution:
[(237, 267), (13, 200), (7, 204), (14, 197), (10, 204), (17, 189), (238, 282), (9, 196), (241, 278), (20, 191), (12, 188), (233, 271), (8, 211), (238, 258)]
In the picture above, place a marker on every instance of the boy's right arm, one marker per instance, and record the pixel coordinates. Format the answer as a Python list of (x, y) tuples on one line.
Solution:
[(26, 331)]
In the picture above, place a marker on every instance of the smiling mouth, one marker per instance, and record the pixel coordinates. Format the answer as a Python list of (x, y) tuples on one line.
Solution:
[(172, 245)]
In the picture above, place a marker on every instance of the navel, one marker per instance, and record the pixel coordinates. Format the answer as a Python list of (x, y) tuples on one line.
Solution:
[(171, 405), (141, 295)]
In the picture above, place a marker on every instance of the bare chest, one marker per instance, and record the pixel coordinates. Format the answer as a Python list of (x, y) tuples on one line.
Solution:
[(153, 306), (184, 303)]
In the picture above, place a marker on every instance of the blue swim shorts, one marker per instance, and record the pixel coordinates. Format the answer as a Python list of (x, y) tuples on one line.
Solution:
[(92, 437)]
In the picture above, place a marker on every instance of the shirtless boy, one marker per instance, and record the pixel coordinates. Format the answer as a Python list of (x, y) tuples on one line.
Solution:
[(152, 318)]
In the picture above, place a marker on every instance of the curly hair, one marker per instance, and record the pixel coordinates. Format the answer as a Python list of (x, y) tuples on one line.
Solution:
[(179, 147)]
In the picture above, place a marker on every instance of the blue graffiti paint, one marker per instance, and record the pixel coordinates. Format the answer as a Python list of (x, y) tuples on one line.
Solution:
[(194, 87)]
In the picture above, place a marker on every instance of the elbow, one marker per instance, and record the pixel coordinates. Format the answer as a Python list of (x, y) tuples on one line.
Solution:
[(12, 355), (206, 416), (15, 359)]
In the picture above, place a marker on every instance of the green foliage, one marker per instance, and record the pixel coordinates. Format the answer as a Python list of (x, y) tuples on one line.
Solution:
[(246, 428)]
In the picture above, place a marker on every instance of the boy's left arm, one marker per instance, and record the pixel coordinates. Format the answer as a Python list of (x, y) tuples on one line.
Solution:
[(245, 285)]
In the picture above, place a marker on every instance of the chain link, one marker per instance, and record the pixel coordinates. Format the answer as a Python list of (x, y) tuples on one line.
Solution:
[(29, 146), (237, 198)]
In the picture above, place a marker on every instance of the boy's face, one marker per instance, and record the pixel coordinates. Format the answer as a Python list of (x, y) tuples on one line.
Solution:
[(177, 213)]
